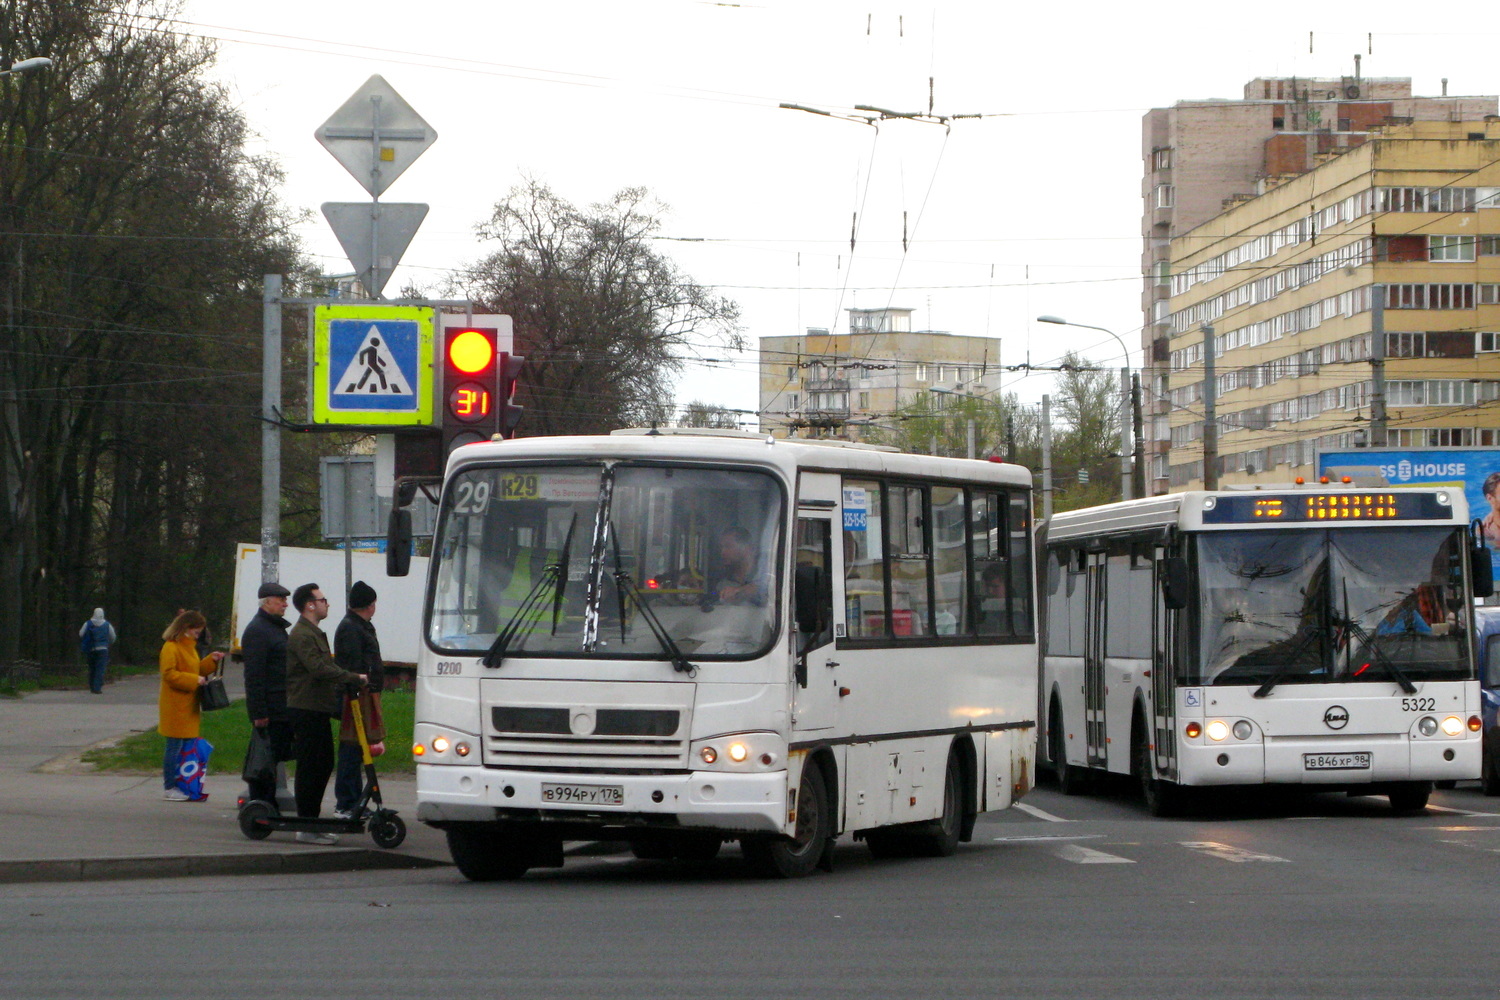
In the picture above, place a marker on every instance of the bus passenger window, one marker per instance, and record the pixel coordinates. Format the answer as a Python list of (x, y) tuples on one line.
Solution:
[(909, 561), (864, 559), (950, 582)]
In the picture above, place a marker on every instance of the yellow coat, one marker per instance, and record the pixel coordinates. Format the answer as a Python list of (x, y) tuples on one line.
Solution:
[(180, 670)]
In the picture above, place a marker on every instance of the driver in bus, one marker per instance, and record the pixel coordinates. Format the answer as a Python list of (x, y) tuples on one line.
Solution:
[(739, 581)]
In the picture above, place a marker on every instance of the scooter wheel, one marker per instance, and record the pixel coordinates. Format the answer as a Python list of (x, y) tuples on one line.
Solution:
[(253, 816), (387, 830)]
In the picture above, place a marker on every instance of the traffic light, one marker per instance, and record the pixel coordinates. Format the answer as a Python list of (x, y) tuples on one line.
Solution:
[(509, 412), (470, 367), (479, 381)]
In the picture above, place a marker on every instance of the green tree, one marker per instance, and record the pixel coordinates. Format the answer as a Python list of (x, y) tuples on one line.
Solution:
[(601, 317), (134, 230), (937, 423), (1086, 436), (700, 414)]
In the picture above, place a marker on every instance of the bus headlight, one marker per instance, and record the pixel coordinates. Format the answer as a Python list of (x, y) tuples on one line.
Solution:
[(741, 752), (1428, 726), (1243, 730), (440, 744), (1217, 731), (1453, 725)]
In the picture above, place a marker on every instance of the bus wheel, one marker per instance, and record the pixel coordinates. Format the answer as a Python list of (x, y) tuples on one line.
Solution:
[(487, 856), (1070, 780), (795, 857), (1162, 798), (1410, 797), (941, 839)]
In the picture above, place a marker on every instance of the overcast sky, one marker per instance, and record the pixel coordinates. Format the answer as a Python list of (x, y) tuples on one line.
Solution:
[(1033, 209)]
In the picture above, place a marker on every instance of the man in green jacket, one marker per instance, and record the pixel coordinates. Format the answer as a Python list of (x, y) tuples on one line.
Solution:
[(314, 697)]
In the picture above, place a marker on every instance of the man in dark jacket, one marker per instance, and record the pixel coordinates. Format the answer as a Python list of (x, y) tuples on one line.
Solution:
[(314, 695), (357, 649), (263, 647)]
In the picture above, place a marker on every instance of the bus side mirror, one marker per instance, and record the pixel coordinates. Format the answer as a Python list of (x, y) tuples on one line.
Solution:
[(1174, 582), (1482, 571), (398, 542)]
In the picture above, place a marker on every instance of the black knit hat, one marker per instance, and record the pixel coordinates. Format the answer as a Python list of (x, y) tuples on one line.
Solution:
[(361, 595)]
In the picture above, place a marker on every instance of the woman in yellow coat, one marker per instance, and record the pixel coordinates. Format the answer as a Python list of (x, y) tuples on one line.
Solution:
[(183, 672)]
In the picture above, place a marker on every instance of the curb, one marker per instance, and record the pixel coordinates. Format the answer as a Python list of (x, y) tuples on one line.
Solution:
[(344, 859)]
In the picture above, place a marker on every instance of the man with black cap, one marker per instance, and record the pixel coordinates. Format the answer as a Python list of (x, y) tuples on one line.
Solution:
[(263, 647), (357, 649)]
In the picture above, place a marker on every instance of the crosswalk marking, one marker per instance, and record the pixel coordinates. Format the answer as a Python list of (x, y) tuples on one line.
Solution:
[(1459, 812), (1226, 852), (1080, 855), (1076, 836)]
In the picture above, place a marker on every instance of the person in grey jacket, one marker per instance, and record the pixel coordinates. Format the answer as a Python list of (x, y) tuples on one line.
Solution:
[(314, 696), (356, 648)]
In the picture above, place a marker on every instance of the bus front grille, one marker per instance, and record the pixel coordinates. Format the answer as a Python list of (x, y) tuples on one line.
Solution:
[(532, 751)]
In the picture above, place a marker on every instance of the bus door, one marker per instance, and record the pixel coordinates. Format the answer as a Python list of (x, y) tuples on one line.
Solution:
[(814, 666), (1095, 605), (1164, 623)]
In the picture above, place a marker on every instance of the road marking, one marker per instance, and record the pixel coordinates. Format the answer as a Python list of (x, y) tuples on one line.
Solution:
[(1225, 852), (1076, 836), (1080, 855), (1040, 813), (1460, 812)]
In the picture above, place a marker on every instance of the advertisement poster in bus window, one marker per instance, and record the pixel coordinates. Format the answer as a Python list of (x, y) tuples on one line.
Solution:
[(1475, 471)]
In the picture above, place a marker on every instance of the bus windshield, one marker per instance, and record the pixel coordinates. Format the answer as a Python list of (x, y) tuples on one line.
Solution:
[(1310, 606), (608, 561)]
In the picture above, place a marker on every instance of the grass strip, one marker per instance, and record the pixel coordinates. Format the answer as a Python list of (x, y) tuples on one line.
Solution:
[(229, 732)]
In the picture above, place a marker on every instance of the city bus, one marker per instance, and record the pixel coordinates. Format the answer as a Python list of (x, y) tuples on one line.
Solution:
[(1313, 637), (682, 639)]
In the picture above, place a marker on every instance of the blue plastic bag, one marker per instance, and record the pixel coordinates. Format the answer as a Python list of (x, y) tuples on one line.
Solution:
[(192, 768)]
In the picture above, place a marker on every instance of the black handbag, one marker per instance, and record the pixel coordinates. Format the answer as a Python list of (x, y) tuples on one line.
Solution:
[(212, 696)]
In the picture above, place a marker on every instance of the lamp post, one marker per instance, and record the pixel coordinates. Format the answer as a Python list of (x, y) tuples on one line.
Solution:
[(1131, 457), (27, 65)]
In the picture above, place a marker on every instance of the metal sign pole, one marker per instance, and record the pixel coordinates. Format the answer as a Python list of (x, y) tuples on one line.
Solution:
[(270, 431)]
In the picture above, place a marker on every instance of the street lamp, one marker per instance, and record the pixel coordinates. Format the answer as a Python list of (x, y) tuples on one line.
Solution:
[(27, 65), (1132, 400)]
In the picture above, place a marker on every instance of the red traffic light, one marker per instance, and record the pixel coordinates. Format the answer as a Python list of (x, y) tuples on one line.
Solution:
[(470, 351)]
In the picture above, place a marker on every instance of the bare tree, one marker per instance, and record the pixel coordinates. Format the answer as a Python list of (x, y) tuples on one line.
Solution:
[(601, 317), (700, 414)]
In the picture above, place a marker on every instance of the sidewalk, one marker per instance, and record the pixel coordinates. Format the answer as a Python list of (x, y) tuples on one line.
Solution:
[(61, 821)]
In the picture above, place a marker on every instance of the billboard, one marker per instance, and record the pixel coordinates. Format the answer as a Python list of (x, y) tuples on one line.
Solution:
[(1466, 469)]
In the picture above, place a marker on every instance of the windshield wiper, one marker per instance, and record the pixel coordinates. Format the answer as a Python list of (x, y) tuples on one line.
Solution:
[(530, 604), (1358, 631), (1284, 671), (624, 583), (555, 574)]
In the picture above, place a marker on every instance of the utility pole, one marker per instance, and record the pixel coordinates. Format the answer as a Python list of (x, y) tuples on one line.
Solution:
[(1379, 434), (1140, 431), (1046, 456), (270, 431), (1125, 422), (1210, 417)]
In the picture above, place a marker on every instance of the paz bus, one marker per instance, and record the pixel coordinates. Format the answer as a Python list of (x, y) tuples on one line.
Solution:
[(685, 638), (1310, 637)]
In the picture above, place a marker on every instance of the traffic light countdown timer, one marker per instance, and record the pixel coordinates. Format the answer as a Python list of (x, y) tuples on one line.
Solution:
[(474, 396)]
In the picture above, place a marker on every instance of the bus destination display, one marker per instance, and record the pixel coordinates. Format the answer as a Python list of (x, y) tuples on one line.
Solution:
[(1262, 508)]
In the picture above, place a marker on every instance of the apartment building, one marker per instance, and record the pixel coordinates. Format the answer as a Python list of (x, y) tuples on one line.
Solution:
[(1383, 256), (1200, 157), (826, 384)]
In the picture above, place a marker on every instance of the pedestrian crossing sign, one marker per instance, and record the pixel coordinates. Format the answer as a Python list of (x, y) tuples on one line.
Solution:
[(372, 364)]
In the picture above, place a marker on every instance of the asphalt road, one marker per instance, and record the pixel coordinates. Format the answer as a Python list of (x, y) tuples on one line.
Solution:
[(1076, 897)]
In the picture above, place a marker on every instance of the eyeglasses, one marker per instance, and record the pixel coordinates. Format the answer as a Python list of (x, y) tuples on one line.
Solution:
[(320, 600)]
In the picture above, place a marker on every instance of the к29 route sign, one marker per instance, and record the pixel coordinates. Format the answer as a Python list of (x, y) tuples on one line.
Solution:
[(372, 365)]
